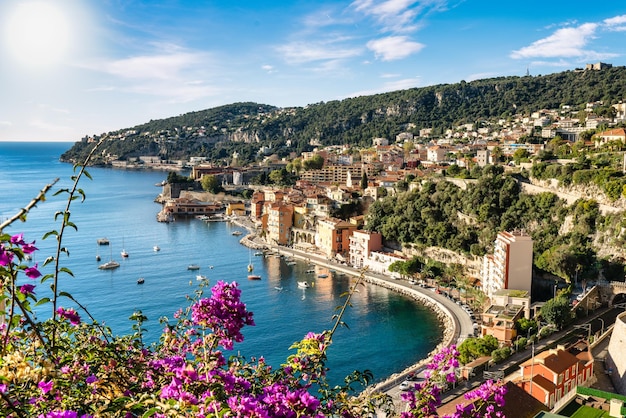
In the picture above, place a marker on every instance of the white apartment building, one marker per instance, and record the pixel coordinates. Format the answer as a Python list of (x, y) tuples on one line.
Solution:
[(511, 264)]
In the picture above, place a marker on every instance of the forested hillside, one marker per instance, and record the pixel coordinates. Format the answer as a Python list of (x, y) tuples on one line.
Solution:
[(243, 127)]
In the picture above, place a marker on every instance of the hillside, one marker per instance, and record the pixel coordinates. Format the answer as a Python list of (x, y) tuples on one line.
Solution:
[(244, 127)]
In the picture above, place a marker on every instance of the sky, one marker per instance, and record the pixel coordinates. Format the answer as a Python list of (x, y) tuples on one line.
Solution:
[(76, 68)]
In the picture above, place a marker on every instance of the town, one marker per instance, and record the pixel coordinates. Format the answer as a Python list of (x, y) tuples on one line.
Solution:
[(556, 357)]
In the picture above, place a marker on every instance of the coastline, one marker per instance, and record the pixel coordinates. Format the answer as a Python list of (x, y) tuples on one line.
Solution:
[(450, 323)]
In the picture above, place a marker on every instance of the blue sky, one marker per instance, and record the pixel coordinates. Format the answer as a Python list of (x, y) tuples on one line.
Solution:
[(70, 68)]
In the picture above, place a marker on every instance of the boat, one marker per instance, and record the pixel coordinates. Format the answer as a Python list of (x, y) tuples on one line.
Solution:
[(237, 233), (98, 257), (291, 263), (124, 253), (304, 285), (250, 266), (140, 280), (258, 254), (193, 267), (109, 265), (254, 277), (310, 271), (156, 248), (103, 241), (322, 276), (201, 277), (279, 288)]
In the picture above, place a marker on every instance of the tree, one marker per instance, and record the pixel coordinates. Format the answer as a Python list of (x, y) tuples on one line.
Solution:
[(556, 311), (364, 181), (210, 183)]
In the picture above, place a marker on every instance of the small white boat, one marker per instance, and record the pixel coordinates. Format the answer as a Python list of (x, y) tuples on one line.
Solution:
[(140, 280), (156, 248), (304, 285), (322, 276), (279, 288), (124, 254), (258, 253), (109, 265), (237, 233), (201, 277), (103, 241), (310, 271), (193, 267)]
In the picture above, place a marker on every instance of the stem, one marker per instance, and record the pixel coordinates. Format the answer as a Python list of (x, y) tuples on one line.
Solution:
[(60, 235), (346, 303)]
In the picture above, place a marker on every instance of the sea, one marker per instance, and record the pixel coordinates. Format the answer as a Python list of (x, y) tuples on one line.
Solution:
[(384, 332)]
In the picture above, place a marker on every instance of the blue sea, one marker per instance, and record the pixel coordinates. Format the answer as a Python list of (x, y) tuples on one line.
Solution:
[(385, 332)]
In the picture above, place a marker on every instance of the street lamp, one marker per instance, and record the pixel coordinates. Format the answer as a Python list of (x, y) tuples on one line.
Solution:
[(602, 331)]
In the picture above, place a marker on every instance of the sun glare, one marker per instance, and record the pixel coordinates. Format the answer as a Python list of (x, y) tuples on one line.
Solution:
[(37, 34)]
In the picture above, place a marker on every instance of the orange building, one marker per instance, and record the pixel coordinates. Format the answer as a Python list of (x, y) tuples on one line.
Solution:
[(333, 236)]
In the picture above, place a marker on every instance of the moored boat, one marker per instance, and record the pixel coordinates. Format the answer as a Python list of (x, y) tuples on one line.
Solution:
[(193, 267), (109, 265), (156, 248), (140, 280), (201, 277), (304, 285), (254, 277), (103, 241)]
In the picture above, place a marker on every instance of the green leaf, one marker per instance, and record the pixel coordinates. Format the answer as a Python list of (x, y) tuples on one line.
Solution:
[(61, 191), (66, 270), (42, 301), (47, 234), (86, 173)]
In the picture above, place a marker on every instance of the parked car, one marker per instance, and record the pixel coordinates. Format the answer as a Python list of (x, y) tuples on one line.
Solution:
[(406, 385)]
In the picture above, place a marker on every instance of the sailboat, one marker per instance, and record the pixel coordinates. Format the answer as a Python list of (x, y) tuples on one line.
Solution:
[(109, 265), (250, 266), (123, 253)]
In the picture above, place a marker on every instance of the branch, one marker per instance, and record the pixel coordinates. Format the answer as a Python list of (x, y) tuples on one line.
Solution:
[(22, 213)]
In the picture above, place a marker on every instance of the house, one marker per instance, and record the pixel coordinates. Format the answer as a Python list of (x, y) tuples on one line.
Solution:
[(333, 236), (507, 306), (605, 137), (236, 208), (362, 243), (552, 374), (517, 404), (279, 222)]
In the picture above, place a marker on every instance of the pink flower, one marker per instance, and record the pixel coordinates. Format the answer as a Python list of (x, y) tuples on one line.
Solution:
[(45, 386), (32, 272), (70, 314), (27, 289)]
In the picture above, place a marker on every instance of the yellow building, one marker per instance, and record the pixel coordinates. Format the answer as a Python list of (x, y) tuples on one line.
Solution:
[(236, 208)]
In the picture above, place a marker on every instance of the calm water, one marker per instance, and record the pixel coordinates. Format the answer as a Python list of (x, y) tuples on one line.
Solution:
[(387, 332)]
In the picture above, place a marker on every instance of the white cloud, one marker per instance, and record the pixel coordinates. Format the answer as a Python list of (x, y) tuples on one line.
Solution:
[(301, 52), (394, 47), (268, 68), (565, 42), (617, 23), (5, 123), (398, 15)]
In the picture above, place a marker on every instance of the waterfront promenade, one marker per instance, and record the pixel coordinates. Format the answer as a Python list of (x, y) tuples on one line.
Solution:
[(456, 323)]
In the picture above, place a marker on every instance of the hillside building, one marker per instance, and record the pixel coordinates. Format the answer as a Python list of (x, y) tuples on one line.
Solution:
[(511, 264)]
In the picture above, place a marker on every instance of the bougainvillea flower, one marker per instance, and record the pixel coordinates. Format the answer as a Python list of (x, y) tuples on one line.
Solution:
[(27, 289), (70, 314), (32, 272)]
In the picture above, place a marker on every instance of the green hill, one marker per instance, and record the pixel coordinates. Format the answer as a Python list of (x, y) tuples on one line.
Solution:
[(244, 127)]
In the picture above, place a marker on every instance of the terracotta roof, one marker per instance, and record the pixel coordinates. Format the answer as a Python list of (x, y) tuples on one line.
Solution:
[(517, 403)]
